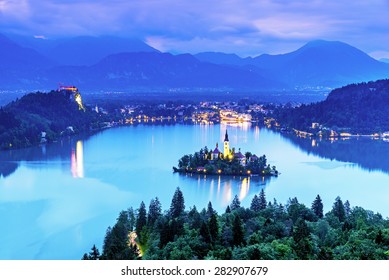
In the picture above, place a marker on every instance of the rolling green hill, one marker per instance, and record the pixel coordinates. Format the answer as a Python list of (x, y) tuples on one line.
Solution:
[(55, 113)]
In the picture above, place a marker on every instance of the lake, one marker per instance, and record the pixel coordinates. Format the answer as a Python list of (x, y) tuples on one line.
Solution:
[(57, 200)]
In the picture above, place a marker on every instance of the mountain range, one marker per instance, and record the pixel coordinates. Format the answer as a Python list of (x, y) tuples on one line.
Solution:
[(113, 63), (318, 63)]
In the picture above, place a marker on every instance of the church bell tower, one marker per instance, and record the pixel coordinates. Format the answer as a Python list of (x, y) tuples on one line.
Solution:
[(226, 146)]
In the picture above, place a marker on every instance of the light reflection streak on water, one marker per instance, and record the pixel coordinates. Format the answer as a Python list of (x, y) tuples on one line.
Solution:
[(227, 193), (244, 188), (77, 161), (256, 133)]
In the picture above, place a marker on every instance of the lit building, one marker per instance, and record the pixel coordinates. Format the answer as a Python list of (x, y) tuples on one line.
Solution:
[(215, 153), (240, 157), (315, 125), (226, 146), (228, 154)]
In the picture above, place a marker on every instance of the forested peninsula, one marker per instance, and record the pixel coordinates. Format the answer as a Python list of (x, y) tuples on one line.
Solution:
[(350, 110), (44, 117)]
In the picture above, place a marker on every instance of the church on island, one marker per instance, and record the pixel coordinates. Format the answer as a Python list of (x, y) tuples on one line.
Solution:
[(226, 162), (229, 154)]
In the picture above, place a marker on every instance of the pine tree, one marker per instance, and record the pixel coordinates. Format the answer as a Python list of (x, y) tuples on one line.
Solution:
[(204, 232), (254, 254), (177, 206), (228, 209), (379, 238), (107, 242), (317, 207), (301, 237), (141, 220), (116, 241), (213, 228), (338, 209), (255, 204), (131, 219), (94, 254), (165, 232), (123, 219), (235, 203), (155, 211), (262, 200), (210, 210), (347, 208), (300, 230), (194, 218), (237, 231)]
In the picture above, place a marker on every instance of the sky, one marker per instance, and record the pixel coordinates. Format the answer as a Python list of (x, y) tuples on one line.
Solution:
[(244, 27)]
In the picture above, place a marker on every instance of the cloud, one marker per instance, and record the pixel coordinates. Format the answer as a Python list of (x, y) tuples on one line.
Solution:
[(266, 25)]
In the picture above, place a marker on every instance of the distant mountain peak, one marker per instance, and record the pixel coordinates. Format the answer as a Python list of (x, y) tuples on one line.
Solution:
[(13, 56), (322, 42), (88, 50), (328, 46)]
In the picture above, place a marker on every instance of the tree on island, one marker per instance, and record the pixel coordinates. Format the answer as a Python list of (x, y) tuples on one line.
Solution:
[(235, 164)]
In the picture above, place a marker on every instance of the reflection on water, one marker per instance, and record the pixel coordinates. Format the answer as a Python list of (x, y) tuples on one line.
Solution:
[(65, 150), (222, 189), (244, 189), (7, 168), (367, 153), (256, 133), (241, 125), (77, 161)]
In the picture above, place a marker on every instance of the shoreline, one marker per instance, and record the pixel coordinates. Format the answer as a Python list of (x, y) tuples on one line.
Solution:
[(189, 121), (195, 172)]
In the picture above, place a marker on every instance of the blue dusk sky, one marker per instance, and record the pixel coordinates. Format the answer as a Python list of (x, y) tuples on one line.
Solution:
[(245, 27)]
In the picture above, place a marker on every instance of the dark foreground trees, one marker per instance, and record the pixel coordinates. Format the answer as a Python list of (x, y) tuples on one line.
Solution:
[(263, 231)]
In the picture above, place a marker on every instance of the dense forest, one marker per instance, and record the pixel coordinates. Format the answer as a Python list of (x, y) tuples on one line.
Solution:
[(356, 108), (266, 230), (23, 120)]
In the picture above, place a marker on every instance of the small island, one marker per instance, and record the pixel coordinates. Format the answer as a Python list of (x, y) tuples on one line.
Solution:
[(228, 162)]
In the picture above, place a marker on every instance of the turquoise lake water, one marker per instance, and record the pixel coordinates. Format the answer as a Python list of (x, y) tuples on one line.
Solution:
[(57, 200)]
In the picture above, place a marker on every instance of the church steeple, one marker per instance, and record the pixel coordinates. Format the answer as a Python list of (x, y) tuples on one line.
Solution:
[(226, 137), (226, 146)]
